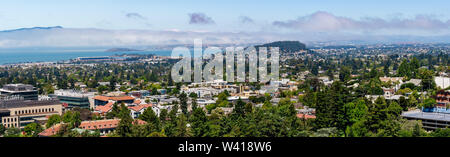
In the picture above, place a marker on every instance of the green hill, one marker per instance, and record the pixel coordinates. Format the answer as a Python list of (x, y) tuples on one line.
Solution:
[(285, 46)]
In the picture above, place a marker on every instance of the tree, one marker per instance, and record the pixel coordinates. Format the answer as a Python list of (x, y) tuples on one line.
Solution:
[(183, 103), (12, 132), (427, 79), (355, 111), (344, 74), (193, 95), (73, 118), (115, 110), (404, 103), (441, 132), (157, 134), (101, 89), (150, 117), (330, 108), (428, 103), (76, 119), (112, 83), (404, 69), (163, 115), (414, 67), (52, 120), (198, 123), (239, 108), (33, 129), (125, 125), (330, 74), (67, 117), (170, 80), (182, 130)]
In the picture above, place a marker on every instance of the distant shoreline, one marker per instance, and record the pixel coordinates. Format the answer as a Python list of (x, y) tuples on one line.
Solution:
[(17, 58)]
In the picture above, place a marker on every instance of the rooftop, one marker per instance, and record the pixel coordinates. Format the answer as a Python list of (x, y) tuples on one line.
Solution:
[(115, 98), (73, 93), (17, 88), (26, 103), (417, 114)]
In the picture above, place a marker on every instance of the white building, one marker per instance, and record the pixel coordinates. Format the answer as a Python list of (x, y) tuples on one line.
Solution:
[(442, 82)]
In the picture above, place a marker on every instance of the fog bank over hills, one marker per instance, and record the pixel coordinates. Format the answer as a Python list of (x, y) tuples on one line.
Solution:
[(60, 37)]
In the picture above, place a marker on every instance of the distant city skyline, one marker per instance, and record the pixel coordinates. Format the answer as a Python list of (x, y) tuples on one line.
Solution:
[(138, 22)]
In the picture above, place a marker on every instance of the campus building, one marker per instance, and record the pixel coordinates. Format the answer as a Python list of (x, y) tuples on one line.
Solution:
[(19, 113), (103, 100), (104, 126), (27, 92), (74, 98), (430, 120), (443, 98)]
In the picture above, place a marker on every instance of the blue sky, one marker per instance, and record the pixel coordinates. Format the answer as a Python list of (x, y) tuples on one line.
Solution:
[(162, 14), (147, 22)]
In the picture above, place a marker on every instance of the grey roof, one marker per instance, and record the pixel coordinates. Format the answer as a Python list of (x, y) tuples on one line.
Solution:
[(414, 81), (427, 115), (17, 88), (26, 103)]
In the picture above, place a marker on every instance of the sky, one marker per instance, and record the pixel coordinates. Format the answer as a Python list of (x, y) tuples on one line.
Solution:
[(278, 18)]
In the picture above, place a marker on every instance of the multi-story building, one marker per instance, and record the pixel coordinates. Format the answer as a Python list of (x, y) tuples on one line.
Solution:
[(27, 92), (104, 126), (443, 98), (74, 98), (103, 100), (19, 113), (430, 120)]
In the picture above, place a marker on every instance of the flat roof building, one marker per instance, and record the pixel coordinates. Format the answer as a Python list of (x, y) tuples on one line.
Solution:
[(74, 98), (28, 92), (430, 120), (19, 113)]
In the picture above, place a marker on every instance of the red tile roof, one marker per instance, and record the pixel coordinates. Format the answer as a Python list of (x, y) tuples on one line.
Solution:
[(306, 116), (99, 124), (139, 107), (105, 124), (90, 125), (115, 98), (50, 131), (104, 109)]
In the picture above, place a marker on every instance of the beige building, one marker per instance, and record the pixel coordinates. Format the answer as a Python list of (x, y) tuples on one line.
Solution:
[(19, 113)]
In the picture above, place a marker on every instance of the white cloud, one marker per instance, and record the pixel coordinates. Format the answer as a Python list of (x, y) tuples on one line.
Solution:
[(327, 22)]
